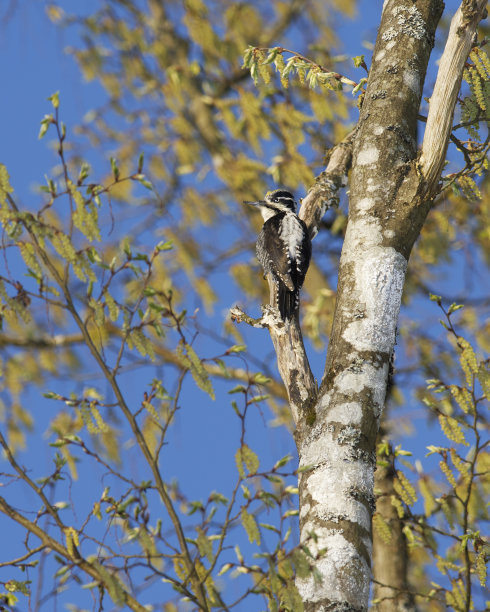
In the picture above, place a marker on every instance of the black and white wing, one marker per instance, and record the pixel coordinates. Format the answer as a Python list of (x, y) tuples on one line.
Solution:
[(272, 252)]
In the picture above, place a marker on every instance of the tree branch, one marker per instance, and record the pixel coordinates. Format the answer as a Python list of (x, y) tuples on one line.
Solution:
[(325, 192), (54, 545), (292, 361), (439, 121), (274, 387)]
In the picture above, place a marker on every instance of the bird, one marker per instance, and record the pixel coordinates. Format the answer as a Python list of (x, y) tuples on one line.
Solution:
[(283, 249)]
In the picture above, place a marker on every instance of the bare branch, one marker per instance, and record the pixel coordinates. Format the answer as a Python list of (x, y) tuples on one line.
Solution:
[(21, 561), (294, 368), (292, 360), (439, 121), (324, 193)]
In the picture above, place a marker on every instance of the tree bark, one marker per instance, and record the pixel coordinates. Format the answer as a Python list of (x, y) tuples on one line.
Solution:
[(390, 558)]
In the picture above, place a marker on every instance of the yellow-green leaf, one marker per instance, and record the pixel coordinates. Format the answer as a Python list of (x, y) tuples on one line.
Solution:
[(190, 360), (246, 458), (382, 528), (250, 525), (452, 429), (468, 361)]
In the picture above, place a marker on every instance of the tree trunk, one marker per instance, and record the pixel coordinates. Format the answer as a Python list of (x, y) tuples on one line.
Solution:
[(390, 555)]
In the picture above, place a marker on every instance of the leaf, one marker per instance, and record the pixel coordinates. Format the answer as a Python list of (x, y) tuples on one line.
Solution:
[(271, 56), (164, 246), (358, 60), (55, 99), (204, 545), (189, 359), (16, 586), (463, 398), (45, 123), (260, 379), (250, 525), (246, 458), (238, 389), (226, 567), (454, 307), (141, 160), (144, 181), (237, 348), (282, 462), (404, 488), (452, 429), (359, 86), (115, 169), (484, 379), (468, 361)]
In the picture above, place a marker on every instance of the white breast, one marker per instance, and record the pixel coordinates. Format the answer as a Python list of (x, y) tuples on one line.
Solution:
[(292, 234)]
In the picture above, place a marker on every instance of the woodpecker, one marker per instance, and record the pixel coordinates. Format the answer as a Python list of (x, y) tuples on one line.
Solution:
[(283, 249)]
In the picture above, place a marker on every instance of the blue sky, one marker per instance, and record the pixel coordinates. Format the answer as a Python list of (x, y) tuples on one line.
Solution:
[(33, 65)]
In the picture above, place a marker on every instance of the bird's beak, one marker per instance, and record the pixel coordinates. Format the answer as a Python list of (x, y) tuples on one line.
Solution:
[(259, 203)]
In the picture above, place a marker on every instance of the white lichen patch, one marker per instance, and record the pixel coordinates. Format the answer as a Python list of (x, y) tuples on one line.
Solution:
[(361, 235), (411, 22), (379, 275), (412, 81), (341, 469), (304, 510), (349, 413), (365, 204), (389, 233), (368, 377), (380, 55), (389, 34), (378, 130), (345, 573), (368, 156)]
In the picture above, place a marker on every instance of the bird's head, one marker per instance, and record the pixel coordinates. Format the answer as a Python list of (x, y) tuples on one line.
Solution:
[(276, 201)]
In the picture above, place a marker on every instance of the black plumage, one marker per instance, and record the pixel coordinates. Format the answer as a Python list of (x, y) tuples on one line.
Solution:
[(283, 249)]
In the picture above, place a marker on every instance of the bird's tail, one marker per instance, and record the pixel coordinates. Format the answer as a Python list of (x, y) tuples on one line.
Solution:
[(287, 302)]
